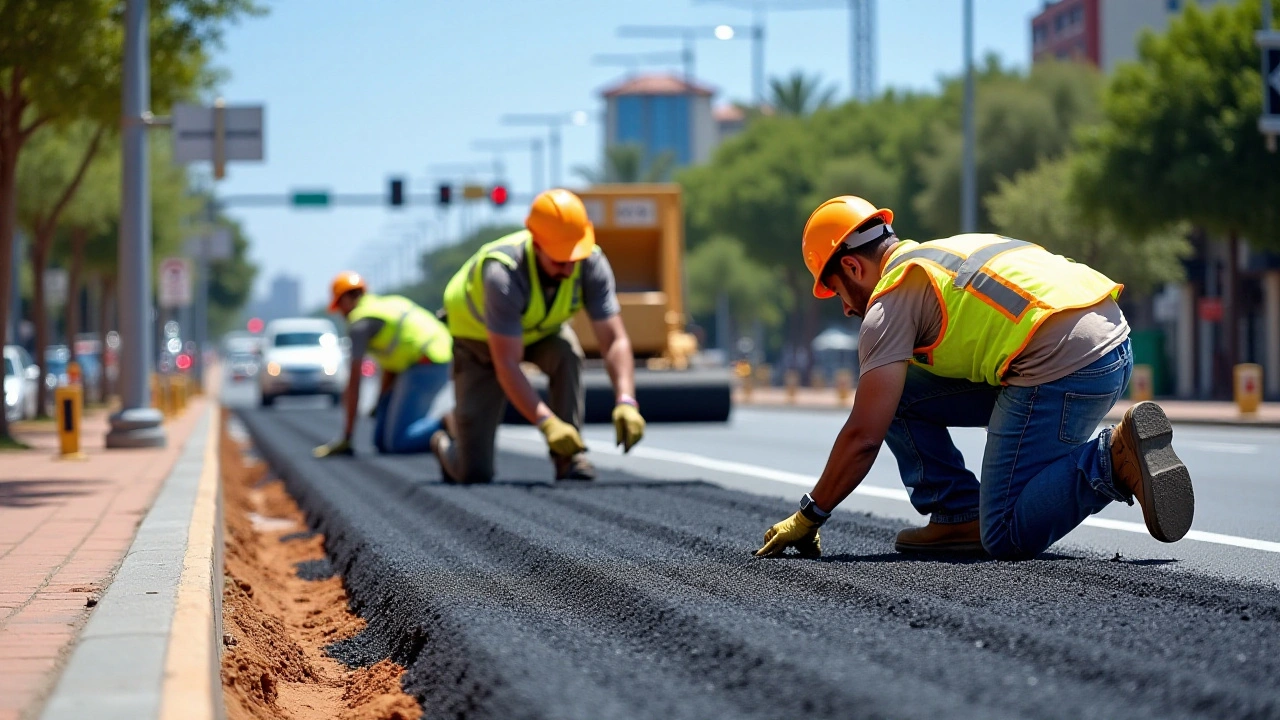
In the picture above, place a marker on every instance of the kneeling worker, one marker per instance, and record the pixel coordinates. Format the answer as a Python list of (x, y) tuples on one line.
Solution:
[(413, 349), (511, 302), (984, 331)]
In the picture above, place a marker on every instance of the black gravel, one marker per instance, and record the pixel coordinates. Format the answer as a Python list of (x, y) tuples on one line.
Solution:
[(628, 598), (320, 569)]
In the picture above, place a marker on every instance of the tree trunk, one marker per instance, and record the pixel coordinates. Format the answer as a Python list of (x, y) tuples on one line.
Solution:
[(1231, 303), (8, 219), (75, 283), (105, 298), (40, 315)]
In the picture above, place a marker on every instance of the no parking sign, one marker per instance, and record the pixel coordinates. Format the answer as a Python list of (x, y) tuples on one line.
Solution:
[(175, 283)]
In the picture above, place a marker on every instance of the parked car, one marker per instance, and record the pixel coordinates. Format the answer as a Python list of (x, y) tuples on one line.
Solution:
[(21, 383), (242, 366), (301, 356)]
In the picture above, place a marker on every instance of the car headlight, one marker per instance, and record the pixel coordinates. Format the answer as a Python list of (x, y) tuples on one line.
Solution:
[(331, 368), (273, 369)]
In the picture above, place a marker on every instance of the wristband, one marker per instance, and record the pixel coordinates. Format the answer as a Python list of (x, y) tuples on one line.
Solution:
[(811, 511), (628, 400)]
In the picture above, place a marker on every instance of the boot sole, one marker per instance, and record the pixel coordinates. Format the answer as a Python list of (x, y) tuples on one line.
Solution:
[(1166, 482), (956, 547)]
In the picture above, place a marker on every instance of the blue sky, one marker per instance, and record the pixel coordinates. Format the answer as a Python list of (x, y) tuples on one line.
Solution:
[(356, 92)]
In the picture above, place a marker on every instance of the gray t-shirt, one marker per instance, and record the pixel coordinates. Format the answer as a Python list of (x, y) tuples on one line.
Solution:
[(507, 292), (361, 333), (909, 317)]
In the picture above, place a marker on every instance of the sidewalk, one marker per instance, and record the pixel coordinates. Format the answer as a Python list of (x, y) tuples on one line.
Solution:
[(1179, 411), (64, 529)]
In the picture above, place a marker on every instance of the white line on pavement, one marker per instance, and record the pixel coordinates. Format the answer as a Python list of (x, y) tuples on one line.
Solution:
[(1221, 447), (728, 466)]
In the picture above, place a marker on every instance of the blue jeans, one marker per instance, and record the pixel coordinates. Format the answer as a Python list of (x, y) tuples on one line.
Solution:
[(411, 411), (1042, 474)]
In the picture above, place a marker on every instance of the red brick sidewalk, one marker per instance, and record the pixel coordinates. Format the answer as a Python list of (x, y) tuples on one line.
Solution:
[(64, 529), (1186, 411)]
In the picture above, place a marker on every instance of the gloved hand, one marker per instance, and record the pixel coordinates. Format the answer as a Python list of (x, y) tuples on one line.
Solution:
[(628, 425), (796, 531), (337, 447), (562, 438)]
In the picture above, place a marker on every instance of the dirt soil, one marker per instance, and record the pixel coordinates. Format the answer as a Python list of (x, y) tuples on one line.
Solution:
[(276, 624)]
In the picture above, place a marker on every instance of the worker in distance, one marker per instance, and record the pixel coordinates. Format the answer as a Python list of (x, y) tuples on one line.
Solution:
[(511, 303), (981, 330), (413, 350)]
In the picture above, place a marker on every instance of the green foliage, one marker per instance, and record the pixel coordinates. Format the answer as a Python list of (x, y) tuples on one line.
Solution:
[(1180, 142), (799, 94), (721, 266), (439, 265), (626, 163), (1037, 205), (230, 281)]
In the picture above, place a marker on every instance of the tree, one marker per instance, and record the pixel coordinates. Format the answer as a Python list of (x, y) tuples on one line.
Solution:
[(799, 94), (720, 267), (230, 281), (626, 163), (60, 62), (1037, 206)]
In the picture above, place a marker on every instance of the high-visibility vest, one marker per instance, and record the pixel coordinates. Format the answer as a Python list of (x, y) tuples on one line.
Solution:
[(409, 333), (464, 295), (994, 292)]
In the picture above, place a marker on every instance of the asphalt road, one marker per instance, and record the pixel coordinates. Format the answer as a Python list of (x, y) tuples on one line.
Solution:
[(636, 597)]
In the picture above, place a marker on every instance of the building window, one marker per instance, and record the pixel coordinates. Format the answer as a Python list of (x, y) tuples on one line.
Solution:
[(1039, 34), (1173, 6)]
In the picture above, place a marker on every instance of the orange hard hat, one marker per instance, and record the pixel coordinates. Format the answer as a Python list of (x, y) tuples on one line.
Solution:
[(345, 282), (828, 227), (560, 227)]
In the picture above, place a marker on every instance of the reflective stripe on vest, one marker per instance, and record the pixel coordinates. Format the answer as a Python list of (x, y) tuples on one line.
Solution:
[(464, 295), (408, 335), (994, 293)]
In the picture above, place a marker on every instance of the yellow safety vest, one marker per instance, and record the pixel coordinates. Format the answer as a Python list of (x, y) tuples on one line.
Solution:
[(464, 295), (994, 292), (409, 333)]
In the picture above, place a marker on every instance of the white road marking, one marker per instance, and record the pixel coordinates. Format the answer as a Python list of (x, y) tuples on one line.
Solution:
[(737, 468), (1220, 447)]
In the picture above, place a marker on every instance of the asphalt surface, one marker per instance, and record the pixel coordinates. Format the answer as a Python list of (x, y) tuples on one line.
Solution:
[(636, 597)]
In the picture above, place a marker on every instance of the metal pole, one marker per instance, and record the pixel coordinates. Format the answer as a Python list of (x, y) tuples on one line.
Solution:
[(137, 424), (853, 49), (969, 180), (687, 57), (757, 56), (554, 152), (535, 162)]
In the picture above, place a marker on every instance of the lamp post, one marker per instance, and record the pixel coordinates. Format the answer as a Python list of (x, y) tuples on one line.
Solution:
[(532, 144), (633, 61), (552, 122), (686, 34), (969, 176)]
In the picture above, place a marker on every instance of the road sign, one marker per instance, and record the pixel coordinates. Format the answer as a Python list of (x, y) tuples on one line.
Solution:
[(217, 133), (1248, 387), (635, 212), (55, 286), (1210, 309), (474, 192), (311, 198), (215, 244), (175, 283)]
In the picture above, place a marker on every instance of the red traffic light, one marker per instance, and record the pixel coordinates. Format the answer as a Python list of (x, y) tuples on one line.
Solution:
[(256, 325), (498, 195), (183, 362)]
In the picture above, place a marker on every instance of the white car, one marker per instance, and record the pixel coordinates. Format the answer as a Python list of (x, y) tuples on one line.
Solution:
[(21, 378), (301, 356)]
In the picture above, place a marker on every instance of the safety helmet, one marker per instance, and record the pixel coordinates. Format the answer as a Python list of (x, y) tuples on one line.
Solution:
[(560, 227), (827, 229), (343, 283)]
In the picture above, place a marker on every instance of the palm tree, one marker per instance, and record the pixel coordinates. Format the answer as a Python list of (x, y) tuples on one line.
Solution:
[(799, 94), (626, 164)]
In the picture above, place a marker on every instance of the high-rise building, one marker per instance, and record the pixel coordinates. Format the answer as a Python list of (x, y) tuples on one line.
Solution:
[(284, 299), (1101, 32), (661, 113)]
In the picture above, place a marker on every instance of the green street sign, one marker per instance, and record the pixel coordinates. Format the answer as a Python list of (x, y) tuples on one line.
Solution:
[(311, 199)]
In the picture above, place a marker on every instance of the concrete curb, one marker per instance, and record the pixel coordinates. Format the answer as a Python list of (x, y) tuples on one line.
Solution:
[(150, 649)]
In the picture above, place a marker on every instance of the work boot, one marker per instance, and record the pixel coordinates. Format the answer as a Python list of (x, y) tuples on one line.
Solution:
[(1144, 466), (577, 467), (439, 444), (963, 537)]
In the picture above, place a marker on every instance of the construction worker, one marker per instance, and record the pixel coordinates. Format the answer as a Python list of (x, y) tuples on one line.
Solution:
[(511, 302), (413, 349), (982, 330)]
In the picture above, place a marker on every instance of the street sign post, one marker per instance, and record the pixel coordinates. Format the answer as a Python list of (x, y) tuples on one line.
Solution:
[(175, 283), (218, 133)]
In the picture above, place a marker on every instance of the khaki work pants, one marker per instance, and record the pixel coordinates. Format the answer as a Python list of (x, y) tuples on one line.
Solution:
[(481, 401)]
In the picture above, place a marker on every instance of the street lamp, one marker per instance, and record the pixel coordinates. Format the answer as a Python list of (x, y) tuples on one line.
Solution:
[(969, 176), (687, 34), (532, 144), (552, 122)]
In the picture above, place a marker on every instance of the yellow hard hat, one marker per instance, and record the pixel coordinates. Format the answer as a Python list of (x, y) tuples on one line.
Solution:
[(827, 228), (345, 282), (560, 227)]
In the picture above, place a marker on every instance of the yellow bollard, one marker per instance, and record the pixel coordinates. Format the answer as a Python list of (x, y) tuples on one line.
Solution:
[(743, 370), (180, 392), (68, 411), (1248, 387), (844, 385), (791, 380), (817, 379), (165, 404), (764, 374), (1141, 384)]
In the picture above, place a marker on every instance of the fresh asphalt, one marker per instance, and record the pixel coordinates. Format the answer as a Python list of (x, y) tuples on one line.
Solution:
[(636, 596)]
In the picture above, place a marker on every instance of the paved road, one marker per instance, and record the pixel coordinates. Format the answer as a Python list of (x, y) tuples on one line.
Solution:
[(635, 597)]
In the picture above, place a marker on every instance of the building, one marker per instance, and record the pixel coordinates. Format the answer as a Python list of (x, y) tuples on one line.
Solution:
[(1103, 33), (661, 113), (283, 300)]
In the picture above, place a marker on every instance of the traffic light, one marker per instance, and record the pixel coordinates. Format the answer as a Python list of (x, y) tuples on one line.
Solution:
[(446, 194), (498, 195), (396, 196)]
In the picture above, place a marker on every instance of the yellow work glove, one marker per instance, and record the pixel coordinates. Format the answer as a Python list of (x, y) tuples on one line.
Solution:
[(796, 531), (562, 438), (628, 424), (337, 447)]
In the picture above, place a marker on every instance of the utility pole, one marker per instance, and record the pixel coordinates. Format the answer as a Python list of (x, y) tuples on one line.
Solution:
[(137, 424), (686, 34), (533, 145), (969, 178), (553, 122)]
